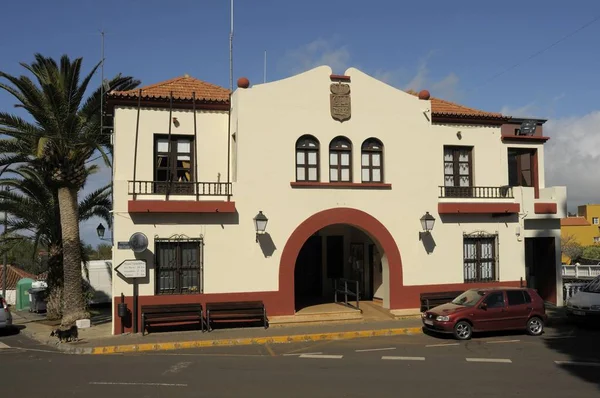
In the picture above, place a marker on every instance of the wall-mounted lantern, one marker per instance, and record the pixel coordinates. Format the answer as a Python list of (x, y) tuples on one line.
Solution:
[(260, 223), (100, 231), (427, 222)]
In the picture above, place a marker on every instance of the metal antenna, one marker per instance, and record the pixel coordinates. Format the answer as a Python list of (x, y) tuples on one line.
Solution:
[(231, 52), (265, 71)]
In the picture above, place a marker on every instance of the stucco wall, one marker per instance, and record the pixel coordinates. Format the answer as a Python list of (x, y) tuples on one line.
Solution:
[(267, 121)]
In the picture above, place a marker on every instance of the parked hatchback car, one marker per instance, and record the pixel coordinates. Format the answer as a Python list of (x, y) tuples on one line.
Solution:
[(5, 315), (489, 309)]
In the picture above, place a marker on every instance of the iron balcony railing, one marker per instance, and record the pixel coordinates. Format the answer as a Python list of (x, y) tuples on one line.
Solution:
[(180, 188), (504, 192)]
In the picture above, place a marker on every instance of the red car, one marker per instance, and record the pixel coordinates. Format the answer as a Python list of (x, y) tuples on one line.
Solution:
[(489, 309)]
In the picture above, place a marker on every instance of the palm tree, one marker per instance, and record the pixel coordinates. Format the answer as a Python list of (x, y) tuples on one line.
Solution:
[(34, 216), (64, 133)]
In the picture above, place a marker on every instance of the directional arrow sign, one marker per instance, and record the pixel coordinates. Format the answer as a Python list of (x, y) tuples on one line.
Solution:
[(132, 269)]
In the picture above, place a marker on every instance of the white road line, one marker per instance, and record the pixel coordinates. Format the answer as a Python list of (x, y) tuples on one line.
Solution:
[(492, 360), (3, 346), (573, 363), (403, 358), (502, 341), (443, 345), (376, 349), (298, 354), (314, 356), (110, 383)]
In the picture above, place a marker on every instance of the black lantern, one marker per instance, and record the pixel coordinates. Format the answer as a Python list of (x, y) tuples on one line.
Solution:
[(100, 230), (260, 223), (427, 222)]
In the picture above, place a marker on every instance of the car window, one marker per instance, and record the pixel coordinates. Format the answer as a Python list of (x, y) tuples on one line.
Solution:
[(527, 296), (495, 300), (468, 298), (515, 297)]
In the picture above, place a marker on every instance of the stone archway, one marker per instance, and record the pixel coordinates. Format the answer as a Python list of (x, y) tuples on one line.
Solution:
[(343, 215)]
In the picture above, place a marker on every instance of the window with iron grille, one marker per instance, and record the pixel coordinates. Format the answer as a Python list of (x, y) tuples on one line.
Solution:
[(458, 171), (479, 257), (179, 265)]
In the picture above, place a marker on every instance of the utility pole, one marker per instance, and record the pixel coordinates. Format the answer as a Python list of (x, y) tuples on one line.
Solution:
[(231, 51)]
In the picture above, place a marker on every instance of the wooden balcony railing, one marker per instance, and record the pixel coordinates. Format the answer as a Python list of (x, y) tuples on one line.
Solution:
[(504, 192), (180, 188)]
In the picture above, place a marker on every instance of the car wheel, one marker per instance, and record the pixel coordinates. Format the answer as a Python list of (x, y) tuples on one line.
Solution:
[(535, 326), (463, 330)]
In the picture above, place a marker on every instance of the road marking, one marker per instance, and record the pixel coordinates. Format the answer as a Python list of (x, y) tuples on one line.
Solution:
[(177, 367), (270, 350), (502, 341), (376, 349), (403, 358), (298, 354), (596, 364), (443, 345), (110, 383), (3, 346), (314, 356), (493, 360)]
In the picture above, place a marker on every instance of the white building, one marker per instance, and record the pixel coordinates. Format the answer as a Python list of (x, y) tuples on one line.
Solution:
[(344, 167)]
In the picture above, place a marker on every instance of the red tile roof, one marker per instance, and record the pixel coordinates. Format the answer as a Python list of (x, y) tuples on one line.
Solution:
[(13, 275), (573, 221), (440, 107), (183, 88)]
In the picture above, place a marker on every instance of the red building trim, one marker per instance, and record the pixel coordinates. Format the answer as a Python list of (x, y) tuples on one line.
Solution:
[(340, 185), (545, 208), (478, 208), (343, 78), (180, 206), (534, 139)]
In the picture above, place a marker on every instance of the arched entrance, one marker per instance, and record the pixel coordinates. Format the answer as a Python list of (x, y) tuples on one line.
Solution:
[(355, 218)]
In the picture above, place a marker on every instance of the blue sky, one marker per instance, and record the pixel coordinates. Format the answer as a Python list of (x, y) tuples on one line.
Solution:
[(454, 49)]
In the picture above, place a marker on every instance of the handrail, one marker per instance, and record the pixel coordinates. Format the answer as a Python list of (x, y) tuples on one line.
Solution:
[(503, 192), (346, 291), (179, 188)]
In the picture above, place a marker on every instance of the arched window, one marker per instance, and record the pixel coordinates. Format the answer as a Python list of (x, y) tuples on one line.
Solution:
[(340, 160), (307, 158), (372, 160)]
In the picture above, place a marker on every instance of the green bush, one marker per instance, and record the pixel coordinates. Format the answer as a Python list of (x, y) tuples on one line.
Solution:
[(592, 252)]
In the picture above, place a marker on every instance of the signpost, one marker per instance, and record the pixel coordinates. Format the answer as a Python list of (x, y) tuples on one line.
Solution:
[(133, 269)]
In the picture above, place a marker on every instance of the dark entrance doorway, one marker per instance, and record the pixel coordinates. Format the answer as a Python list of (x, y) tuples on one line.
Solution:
[(540, 263), (307, 274)]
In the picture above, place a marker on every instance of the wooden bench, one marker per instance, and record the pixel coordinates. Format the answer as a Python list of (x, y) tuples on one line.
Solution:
[(168, 313), (239, 310), (430, 300)]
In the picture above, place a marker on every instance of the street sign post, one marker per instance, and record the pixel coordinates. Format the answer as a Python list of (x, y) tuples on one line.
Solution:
[(133, 269)]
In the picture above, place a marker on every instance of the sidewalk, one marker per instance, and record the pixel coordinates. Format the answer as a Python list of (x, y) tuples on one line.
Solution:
[(98, 338)]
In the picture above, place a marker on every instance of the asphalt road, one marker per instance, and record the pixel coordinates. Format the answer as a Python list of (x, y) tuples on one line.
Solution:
[(562, 363)]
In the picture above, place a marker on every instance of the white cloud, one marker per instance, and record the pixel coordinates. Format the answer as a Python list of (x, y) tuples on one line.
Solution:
[(527, 110), (316, 53), (572, 157)]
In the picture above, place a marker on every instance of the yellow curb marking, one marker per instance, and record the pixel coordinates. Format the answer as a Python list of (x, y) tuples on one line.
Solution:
[(254, 341)]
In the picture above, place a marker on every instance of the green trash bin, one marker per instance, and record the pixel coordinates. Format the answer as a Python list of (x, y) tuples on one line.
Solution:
[(23, 287)]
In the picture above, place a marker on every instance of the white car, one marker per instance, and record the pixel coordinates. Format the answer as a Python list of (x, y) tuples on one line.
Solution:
[(5, 315), (585, 304)]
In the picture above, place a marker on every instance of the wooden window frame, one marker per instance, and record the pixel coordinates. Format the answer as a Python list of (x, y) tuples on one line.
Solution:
[(457, 190), (179, 267), (175, 187), (532, 167), (367, 149), (300, 148), (337, 150), (479, 260)]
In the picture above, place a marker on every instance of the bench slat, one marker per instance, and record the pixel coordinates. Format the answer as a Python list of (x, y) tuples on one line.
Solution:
[(234, 305)]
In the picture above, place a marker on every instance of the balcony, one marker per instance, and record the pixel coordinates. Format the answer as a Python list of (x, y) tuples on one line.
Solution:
[(180, 197), (477, 200)]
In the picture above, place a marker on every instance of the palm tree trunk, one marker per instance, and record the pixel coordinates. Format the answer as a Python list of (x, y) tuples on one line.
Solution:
[(74, 307)]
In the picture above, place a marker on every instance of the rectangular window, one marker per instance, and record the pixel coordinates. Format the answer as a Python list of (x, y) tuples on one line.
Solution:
[(307, 165), (371, 167), (458, 171), (179, 266), (516, 297), (173, 167), (595, 220), (596, 239), (479, 256), (520, 167)]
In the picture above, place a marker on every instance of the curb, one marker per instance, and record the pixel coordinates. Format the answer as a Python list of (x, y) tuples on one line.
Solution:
[(127, 348)]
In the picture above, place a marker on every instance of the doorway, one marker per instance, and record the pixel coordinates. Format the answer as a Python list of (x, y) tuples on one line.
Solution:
[(540, 266)]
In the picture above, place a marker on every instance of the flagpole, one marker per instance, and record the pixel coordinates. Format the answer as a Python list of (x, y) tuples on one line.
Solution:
[(231, 51)]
